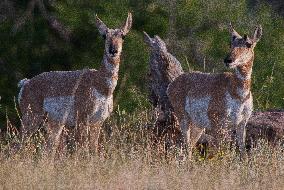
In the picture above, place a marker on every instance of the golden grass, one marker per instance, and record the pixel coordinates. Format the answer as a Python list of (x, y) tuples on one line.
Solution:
[(131, 161)]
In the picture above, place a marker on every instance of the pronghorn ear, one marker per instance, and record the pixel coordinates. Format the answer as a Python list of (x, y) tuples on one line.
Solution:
[(161, 42), (128, 24), (257, 34), (147, 39), (101, 26), (159, 39), (234, 34)]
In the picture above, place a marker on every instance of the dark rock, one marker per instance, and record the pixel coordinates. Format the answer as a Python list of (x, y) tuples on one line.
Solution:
[(268, 125)]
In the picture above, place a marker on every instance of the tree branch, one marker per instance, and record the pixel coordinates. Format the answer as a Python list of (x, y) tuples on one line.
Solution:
[(54, 23), (20, 22)]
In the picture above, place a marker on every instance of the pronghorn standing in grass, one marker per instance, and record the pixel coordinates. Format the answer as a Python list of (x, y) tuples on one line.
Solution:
[(208, 102), (74, 97)]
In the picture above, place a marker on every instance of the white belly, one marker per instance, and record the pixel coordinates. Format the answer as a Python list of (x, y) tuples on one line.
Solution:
[(197, 109), (60, 109)]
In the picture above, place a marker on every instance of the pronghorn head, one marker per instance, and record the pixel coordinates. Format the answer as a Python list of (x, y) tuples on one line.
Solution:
[(114, 37), (156, 43), (241, 47)]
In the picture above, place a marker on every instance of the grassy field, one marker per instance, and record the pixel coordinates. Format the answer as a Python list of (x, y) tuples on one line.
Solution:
[(130, 160)]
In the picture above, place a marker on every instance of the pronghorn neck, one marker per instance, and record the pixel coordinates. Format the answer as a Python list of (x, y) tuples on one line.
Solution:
[(244, 71), (241, 83), (109, 71)]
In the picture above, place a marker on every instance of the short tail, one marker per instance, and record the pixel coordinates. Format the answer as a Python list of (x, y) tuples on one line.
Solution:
[(21, 85), (23, 82)]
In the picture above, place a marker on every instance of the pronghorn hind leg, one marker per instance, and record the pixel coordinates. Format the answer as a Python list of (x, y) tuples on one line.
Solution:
[(94, 144), (54, 134), (191, 135), (31, 122), (194, 133)]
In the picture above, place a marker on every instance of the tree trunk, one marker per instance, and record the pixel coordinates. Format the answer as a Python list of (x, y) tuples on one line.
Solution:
[(164, 68)]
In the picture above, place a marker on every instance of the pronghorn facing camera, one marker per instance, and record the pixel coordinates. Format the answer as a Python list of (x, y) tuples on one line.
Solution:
[(74, 97), (213, 102)]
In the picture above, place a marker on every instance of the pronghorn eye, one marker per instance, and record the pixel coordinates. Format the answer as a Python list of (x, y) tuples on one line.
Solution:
[(123, 37), (104, 36), (248, 45)]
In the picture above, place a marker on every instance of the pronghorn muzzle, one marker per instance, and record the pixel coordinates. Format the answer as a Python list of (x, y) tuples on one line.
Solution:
[(113, 50), (228, 60)]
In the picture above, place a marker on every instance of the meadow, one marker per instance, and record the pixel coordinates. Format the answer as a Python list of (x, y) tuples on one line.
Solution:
[(130, 160), (196, 32)]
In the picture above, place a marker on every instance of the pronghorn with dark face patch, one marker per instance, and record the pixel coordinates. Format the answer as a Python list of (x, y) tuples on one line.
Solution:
[(208, 102), (74, 97)]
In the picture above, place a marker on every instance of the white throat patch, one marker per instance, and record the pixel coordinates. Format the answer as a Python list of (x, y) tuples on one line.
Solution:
[(240, 76)]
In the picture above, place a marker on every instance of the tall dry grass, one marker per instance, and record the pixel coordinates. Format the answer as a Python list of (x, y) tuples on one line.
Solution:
[(130, 160)]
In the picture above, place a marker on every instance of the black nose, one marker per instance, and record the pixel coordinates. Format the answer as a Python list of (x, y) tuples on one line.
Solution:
[(228, 60), (112, 50)]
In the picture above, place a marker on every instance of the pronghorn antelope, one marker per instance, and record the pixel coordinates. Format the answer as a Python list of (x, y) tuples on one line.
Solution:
[(74, 97), (164, 69), (213, 102)]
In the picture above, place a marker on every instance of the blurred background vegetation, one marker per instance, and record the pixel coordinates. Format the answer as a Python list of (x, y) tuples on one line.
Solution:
[(44, 35)]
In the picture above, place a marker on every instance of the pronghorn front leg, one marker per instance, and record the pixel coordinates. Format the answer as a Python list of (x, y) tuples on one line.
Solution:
[(241, 136), (54, 133)]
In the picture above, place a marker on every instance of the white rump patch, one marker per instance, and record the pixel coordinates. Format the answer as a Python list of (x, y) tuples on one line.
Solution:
[(21, 85), (197, 109), (61, 109)]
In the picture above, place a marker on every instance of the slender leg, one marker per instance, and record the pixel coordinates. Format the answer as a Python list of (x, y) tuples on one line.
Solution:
[(191, 135), (241, 135), (54, 134), (30, 124), (194, 134), (94, 144), (81, 135)]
